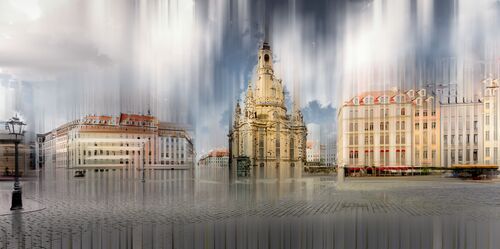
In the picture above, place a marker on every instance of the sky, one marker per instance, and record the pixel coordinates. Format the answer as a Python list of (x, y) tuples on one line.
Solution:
[(190, 60)]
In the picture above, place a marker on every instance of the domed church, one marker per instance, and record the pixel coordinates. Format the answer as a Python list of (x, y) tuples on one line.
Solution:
[(262, 130)]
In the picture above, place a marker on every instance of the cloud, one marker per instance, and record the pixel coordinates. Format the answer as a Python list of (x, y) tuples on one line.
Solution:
[(189, 61), (321, 115), (225, 117)]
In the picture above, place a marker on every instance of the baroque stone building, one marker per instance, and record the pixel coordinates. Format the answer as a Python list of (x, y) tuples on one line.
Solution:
[(263, 130)]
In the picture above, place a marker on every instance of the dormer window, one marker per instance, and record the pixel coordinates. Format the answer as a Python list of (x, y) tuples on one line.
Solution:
[(368, 100), (421, 92), (356, 101), (411, 93)]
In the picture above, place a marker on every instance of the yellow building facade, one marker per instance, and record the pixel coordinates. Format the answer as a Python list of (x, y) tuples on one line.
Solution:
[(263, 130), (389, 128)]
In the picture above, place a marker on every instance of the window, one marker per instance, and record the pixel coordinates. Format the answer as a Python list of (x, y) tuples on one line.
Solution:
[(403, 111), (433, 125), (425, 126), (487, 135), (487, 151), (397, 125), (487, 120), (402, 125), (261, 144), (417, 126), (452, 139)]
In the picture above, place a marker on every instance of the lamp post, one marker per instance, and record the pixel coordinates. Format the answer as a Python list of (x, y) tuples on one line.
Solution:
[(143, 161), (15, 127)]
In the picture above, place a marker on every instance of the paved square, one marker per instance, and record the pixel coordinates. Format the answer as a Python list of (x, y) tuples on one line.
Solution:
[(204, 209)]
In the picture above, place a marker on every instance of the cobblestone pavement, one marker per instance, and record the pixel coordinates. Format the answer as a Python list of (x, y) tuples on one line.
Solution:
[(203, 209)]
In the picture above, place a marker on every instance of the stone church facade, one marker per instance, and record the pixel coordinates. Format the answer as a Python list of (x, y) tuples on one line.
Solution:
[(263, 130)]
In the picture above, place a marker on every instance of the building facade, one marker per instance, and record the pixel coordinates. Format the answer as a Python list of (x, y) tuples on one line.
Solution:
[(313, 144), (389, 128), (491, 118), (26, 156), (263, 130), (470, 128), (125, 142), (321, 144), (215, 158)]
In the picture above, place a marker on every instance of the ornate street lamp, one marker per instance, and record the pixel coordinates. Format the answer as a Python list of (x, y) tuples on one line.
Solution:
[(15, 127)]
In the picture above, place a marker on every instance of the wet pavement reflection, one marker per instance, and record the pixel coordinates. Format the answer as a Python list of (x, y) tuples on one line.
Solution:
[(207, 208)]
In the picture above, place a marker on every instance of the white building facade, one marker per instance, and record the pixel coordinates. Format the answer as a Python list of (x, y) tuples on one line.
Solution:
[(125, 142), (470, 128)]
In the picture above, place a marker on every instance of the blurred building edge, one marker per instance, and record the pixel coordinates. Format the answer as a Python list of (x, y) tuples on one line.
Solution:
[(27, 158), (124, 142), (215, 158)]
